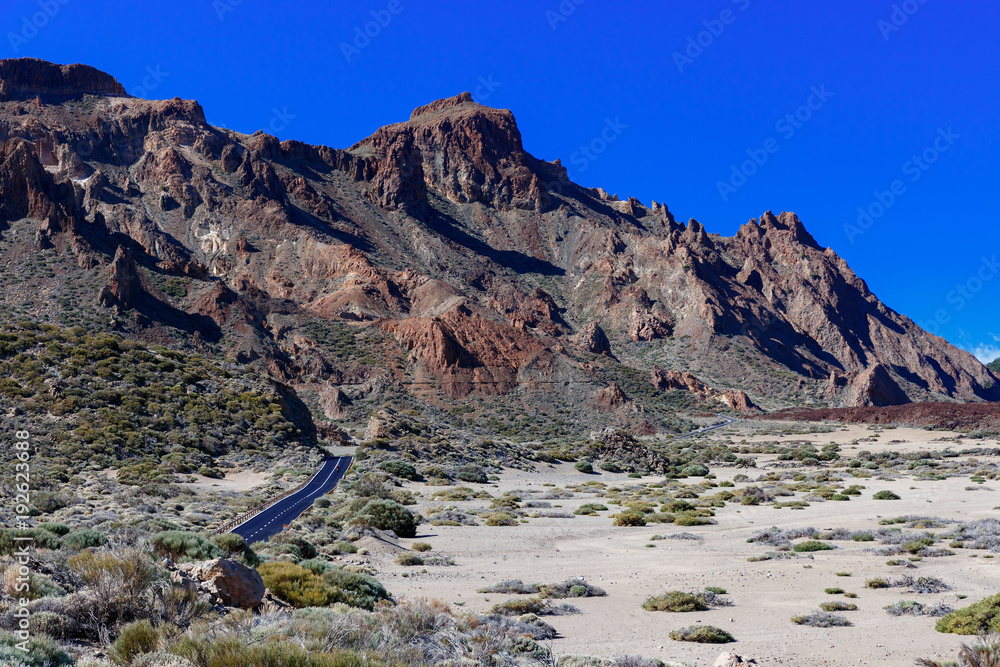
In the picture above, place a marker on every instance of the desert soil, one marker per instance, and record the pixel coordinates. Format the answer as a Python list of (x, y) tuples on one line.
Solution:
[(765, 594)]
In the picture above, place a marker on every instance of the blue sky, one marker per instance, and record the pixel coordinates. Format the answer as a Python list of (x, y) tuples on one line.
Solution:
[(721, 109)]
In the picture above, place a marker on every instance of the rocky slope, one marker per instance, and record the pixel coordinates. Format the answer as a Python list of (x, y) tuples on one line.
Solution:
[(436, 258)]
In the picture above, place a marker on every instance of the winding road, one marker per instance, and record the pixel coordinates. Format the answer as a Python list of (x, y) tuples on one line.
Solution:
[(271, 521)]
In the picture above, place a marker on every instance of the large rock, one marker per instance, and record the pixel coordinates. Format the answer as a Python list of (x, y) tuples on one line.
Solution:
[(732, 660), (124, 287), (593, 339), (876, 388), (235, 585)]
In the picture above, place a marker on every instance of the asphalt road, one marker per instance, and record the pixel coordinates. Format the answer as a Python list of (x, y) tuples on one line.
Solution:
[(270, 522)]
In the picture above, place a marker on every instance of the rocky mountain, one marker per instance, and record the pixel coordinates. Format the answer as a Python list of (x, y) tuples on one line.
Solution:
[(435, 260)]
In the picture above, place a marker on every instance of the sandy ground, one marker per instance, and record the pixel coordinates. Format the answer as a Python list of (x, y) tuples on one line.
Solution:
[(765, 594), (238, 482)]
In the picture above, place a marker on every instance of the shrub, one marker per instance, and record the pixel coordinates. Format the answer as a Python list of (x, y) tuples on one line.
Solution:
[(470, 472), (590, 508), (823, 620), (421, 546), (79, 540), (409, 559), (812, 545), (42, 652), (630, 518), (519, 607), (389, 515), (134, 640), (716, 590), (695, 470), (691, 520), (500, 519), (571, 588), (833, 591), (57, 529), (401, 469), (42, 539), (302, 587), (675, 601), (885, 495), (702, 634), (181, 545), (978, 618), (118, 578), (877, 582), (584, 466), (838, 606), (234, 545)]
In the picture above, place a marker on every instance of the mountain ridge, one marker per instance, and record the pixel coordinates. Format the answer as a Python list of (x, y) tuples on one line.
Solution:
[(476, 266)]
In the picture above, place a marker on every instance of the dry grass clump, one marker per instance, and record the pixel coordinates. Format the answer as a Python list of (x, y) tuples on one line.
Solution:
[(679, 601), (823, 620), (838, 606), (914, 608), (702, 634)]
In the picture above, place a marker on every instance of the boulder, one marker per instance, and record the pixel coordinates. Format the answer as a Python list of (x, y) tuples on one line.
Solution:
[(593, 339), (875, 387), (235, 585)]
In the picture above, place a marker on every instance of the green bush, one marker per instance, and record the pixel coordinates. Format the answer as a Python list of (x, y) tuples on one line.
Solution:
[(234, 546), (695, 470), (584, 466), (409, 559), (84, 539), (702, 634), (676, 601), (42, 652), (885, 495), (181, 545), (421, 546), (877, 582), (470, 472), (401, 469), (812, 545), (630, 518), (833, 591), (134, 640), (691, 520), (590, 508), (388, 515), (57, 529), (838, 606), (978, 618), (302, 587), (500, 519), (519, 607), (41, 539)]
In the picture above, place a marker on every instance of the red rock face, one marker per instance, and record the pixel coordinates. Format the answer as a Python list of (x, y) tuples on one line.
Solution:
[(485, 267)]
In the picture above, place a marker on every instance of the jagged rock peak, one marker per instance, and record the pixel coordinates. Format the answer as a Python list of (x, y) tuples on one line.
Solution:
[(33, 77), (447, 103)]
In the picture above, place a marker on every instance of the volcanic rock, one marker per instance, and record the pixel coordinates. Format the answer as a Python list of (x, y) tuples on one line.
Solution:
[(234, 585), (875, 387)]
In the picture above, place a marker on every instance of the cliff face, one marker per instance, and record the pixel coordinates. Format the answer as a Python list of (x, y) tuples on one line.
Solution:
[(485, 267)]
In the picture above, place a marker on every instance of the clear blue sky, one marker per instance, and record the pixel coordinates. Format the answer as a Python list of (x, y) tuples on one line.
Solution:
[(684, 118)]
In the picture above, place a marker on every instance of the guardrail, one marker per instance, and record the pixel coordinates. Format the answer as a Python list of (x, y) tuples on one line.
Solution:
[(246, 516)]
